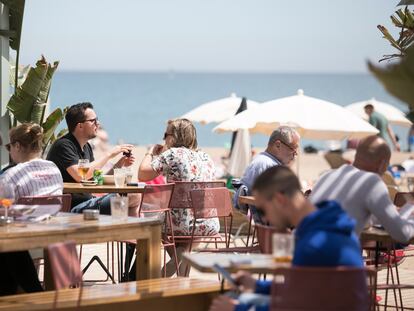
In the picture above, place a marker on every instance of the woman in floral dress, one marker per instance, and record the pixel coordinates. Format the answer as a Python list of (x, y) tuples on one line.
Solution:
[(180, 160)]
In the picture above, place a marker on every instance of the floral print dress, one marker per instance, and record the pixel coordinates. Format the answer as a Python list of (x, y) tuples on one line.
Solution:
[(183, 164)]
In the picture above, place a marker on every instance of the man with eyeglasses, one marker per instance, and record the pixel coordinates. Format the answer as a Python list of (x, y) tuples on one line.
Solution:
[(282, 149), (66, 152)]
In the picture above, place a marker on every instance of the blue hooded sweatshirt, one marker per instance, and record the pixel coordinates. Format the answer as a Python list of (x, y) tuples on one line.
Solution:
[(324, 238)]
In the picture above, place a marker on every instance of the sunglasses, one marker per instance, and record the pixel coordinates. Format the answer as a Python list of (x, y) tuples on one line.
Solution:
[(294, 150), (94, 121)]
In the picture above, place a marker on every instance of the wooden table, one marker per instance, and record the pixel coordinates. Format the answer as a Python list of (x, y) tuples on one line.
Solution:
[(174, 294), (378, 235), (67, 226), (254, 263), (69, 187), (251, 200)]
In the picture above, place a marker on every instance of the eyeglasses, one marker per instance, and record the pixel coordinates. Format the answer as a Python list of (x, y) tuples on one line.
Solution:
[(293, 149), (166, 135), (94, 121)]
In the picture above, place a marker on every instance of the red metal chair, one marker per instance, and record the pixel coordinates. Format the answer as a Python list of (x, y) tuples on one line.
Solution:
[(64, 199), (65, 268), (333, 288), (181, 199), (210, 203), (155, 202)]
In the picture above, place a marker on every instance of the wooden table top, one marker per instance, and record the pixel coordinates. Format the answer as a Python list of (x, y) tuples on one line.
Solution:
[(379, 235), (254, 263), (111, 294), (18, 236), (247, 200), (79, 188)]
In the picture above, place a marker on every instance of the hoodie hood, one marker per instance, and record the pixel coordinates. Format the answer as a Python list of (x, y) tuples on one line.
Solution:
[(326, 238), (329, 217)]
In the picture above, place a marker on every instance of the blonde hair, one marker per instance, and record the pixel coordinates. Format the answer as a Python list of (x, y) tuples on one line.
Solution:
[(183, 132), (28, 135)]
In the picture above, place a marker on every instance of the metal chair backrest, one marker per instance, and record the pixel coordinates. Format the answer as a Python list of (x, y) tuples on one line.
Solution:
[(156, 198), (65, 200), (265, 237), (181, 197), (332, 288), (65, 267), (211, 202)]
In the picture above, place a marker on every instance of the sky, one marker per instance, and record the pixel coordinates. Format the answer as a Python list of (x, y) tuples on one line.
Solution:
[(206, 35)]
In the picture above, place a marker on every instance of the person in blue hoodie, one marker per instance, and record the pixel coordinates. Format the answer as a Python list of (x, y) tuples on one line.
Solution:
[(324, 235)]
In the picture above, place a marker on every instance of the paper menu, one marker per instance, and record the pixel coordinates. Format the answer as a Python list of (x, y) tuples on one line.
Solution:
[(35, 212)]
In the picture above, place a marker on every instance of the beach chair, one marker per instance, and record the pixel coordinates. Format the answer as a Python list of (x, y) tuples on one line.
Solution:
[(333, 288), (64, 268)]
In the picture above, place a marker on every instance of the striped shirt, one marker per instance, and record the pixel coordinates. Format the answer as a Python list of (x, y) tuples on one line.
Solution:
[(34, 178)]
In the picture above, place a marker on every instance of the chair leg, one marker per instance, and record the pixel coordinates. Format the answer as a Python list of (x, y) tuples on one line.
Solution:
[(97, 259)]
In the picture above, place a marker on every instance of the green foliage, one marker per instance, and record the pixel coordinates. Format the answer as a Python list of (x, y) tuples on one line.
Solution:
[(406, 2), (398, 78), (404, 20), (28, 103)]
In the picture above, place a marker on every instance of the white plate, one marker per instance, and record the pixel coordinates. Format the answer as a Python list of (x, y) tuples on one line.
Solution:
[(89, 183)]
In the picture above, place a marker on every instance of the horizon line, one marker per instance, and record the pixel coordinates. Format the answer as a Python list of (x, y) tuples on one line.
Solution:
[(173, 72)]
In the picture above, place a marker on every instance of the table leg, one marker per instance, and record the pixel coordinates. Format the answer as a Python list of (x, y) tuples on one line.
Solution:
[(148, 259), (47, 273)]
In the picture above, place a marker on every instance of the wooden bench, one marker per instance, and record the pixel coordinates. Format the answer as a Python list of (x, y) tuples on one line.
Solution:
[(157, 294)]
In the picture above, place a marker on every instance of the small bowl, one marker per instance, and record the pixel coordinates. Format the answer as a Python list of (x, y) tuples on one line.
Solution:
[(108, 180)]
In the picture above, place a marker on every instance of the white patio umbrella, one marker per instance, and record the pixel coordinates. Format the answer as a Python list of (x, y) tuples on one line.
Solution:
[(313, 118), (241, 155), (217, 110), (393, 114)]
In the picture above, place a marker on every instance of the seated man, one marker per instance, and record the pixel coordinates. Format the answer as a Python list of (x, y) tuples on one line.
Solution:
[(66, 152), (361, 192), (282, 149), (324, 234)]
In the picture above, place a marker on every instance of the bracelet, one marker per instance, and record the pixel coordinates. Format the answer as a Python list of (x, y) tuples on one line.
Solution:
[(148, 153)]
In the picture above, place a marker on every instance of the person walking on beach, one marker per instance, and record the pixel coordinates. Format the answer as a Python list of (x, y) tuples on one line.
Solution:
[(324, 235), (380, 122), (282, 149), (66, 152)]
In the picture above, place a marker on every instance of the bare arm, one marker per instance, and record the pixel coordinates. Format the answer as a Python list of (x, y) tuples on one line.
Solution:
[(380, 205), (145, 170), (393, 139), (98, 164)]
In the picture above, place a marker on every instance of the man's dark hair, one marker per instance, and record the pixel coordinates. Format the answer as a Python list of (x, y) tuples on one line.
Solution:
[(277, 179), (76, 114), (369, 106)]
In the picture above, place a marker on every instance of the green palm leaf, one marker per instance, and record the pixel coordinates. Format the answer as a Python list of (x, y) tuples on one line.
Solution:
[(398, 78)]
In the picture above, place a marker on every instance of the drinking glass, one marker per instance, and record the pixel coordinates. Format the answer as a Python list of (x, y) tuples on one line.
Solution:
[(83, 168), (6, 200), (119, 207), (119, 177), (128, 175), (283, 245)]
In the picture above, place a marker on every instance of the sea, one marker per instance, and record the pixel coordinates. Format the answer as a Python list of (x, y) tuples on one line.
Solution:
[(133, 107)]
